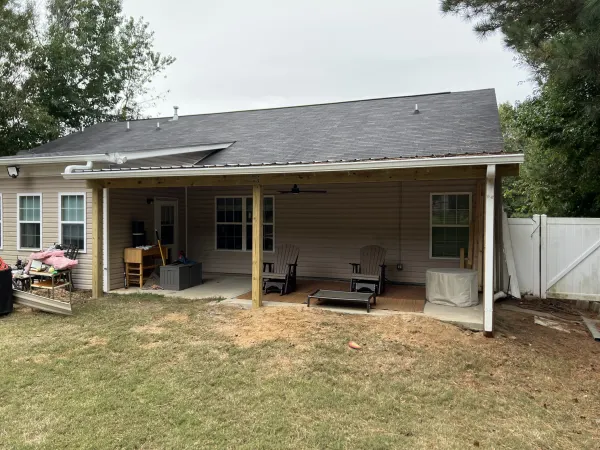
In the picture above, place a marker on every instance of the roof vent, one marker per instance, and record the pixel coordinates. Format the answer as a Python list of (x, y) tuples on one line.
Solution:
[(417, 109), (175, 115), (128, 126), (158, 125)]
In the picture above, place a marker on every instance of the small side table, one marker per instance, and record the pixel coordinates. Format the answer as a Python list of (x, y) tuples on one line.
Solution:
[(52, 281)]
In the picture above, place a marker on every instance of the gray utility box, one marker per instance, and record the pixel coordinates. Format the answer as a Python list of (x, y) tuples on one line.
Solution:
[(176, 277)]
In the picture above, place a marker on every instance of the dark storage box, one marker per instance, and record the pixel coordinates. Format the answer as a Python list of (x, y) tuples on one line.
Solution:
[(6, 293), (176, 277)]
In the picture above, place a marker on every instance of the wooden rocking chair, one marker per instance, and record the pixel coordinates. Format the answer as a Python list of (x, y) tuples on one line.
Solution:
[(369, 274), (281, 276)]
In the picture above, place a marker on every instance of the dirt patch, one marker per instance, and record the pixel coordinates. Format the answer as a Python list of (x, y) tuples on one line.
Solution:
[(251, 327), (155, 327), (175, 317), (97, 341), (40, 359), (302, 327)]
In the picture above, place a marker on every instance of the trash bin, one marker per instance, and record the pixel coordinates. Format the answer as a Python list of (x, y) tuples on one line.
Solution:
[(6, 293)]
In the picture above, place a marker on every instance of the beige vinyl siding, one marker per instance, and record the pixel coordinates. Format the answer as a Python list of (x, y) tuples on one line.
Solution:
[(127, 205), (415, 226), (330, 229), (49, 187)]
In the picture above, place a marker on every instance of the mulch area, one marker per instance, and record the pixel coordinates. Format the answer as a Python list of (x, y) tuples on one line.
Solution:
[(395, 298)]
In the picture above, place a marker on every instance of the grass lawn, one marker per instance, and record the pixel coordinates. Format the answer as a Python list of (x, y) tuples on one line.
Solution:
[(152, 372)]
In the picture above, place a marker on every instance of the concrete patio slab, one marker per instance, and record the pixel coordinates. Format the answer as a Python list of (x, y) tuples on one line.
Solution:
[(229, 287), (222, 286)]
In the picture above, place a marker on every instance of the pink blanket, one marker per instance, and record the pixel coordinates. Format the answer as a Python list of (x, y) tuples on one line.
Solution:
[(54, 258)]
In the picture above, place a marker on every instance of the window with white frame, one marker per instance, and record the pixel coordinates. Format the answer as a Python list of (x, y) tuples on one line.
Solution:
[(29, 234), (1, 224), (72, 220), (234, 223), (450, 220)]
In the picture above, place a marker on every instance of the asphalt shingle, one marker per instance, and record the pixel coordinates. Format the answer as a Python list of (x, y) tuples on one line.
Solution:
[(455, 123)]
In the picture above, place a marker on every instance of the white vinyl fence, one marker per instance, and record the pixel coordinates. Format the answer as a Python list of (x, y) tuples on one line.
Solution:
[(557, 257)]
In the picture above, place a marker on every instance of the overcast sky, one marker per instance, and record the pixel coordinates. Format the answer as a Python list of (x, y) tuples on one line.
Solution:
[(240, 54)]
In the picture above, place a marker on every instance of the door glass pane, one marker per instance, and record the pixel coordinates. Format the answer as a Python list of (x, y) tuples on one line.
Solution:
[(167, 235), (167, 224)]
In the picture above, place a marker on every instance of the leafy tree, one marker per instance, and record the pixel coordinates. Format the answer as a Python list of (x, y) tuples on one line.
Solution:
[(558, 128), (517, 202), (22, 122), (85, 63)]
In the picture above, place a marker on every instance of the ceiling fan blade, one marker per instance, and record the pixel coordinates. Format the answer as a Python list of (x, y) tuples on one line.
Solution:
[(314, 192)]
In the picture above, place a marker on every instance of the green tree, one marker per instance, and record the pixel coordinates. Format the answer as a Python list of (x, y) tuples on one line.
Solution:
[(84, 64), (558, 128), (22, 122)]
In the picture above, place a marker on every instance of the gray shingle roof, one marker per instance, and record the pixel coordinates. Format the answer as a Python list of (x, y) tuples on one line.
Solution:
[(448, 124)]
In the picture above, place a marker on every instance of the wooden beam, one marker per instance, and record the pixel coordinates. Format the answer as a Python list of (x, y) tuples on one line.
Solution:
[(97, 231), (257, 245), (488, 276), (91, 184), (363, 176)]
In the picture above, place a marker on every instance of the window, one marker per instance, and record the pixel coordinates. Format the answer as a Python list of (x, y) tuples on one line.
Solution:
[(268, 227), (29, 235), (234, 223), (450, 219), (72, 220), (1, 229)]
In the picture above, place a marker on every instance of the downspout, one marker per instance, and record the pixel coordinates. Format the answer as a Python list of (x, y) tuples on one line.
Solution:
[(88, 166), (186, 221)]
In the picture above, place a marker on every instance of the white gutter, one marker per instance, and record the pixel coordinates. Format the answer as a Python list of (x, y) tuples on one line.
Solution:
[(104, 157), (28, 160), (448, 161)]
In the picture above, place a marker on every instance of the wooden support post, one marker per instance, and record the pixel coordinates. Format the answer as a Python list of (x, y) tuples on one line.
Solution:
[(97, 231), (488, 276), (257, 245)]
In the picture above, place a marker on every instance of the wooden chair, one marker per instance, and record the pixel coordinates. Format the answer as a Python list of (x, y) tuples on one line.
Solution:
[(281, 275), (370, 272)]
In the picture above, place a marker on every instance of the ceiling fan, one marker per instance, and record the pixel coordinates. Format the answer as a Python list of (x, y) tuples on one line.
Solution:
[(296, 190)]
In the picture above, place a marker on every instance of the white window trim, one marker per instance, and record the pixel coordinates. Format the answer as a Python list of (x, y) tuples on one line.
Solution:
[(41, 221), (1, 223), (470, 194), (244, 223), (60, 221)]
